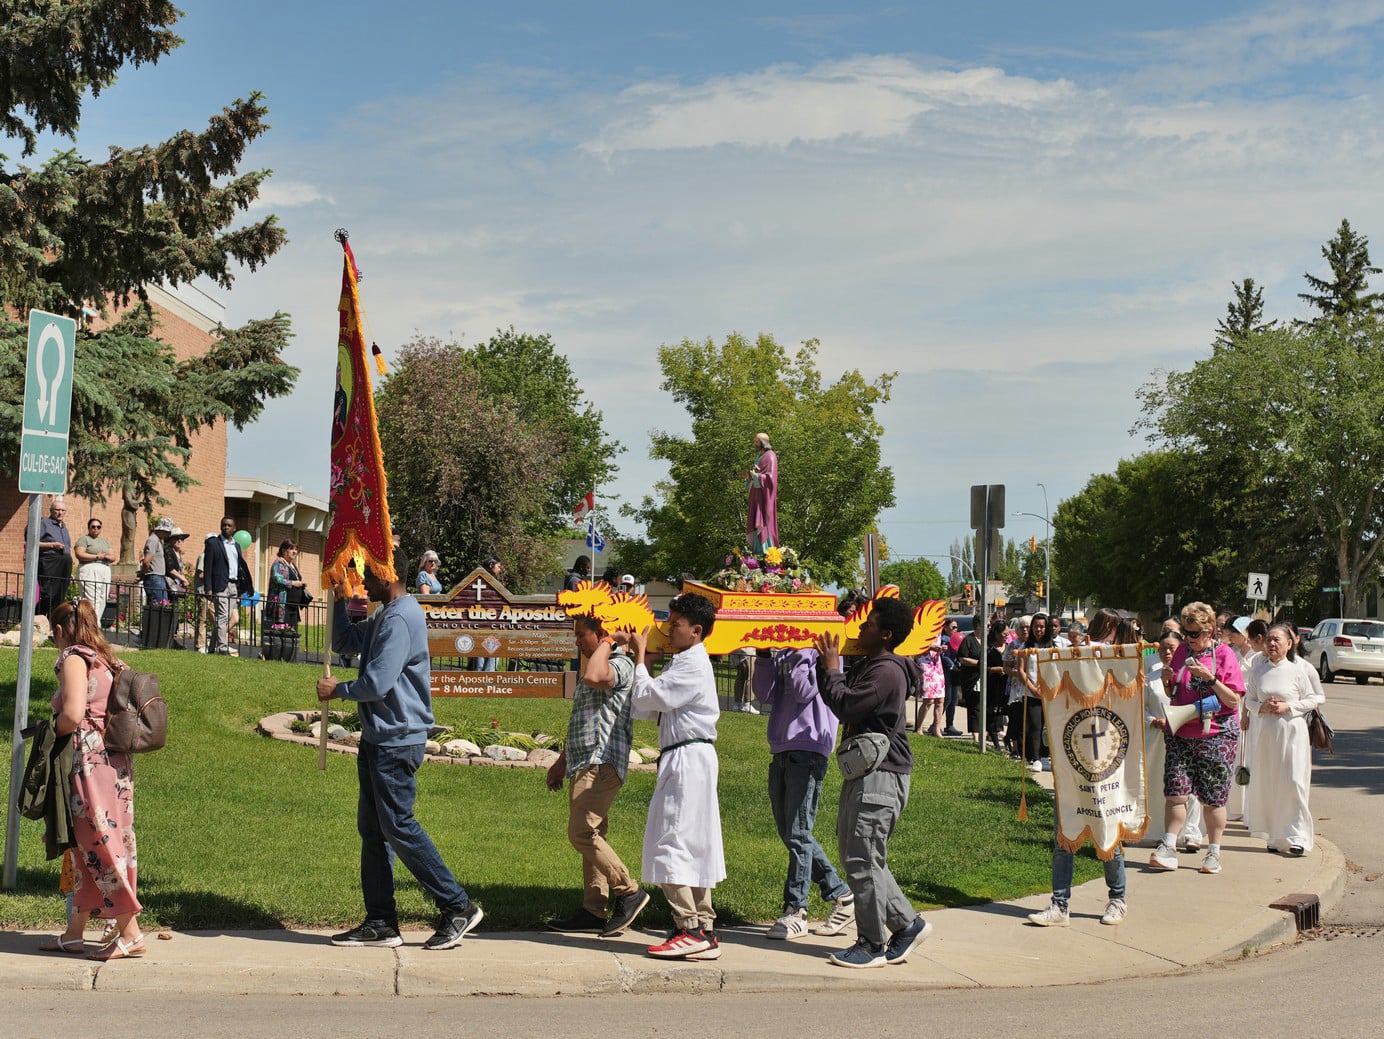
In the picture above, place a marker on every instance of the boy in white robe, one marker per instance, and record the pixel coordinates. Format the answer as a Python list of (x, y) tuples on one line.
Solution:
[(682, 839)]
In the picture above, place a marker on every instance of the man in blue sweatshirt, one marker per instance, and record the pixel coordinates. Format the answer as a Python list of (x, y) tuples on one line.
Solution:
[(802, 735), (394, 694)]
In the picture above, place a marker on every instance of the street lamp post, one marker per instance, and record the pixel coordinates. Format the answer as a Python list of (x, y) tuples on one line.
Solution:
[(1047, 552)]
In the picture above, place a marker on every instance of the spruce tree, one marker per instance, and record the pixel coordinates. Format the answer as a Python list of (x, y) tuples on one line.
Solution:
[(79, 236), (1244, 314), (1344, 296)]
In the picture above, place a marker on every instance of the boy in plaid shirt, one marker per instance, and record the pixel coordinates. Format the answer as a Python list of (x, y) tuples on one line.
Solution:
[(596, 759)]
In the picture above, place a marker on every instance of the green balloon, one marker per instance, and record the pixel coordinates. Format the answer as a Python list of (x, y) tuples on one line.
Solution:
[(243, 539)]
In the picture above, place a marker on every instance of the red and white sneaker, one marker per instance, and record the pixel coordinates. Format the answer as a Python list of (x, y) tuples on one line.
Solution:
[(680, 944), (711, 952)]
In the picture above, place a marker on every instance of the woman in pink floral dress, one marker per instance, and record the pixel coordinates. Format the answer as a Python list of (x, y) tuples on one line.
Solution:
[(103, 788), (932, 688)]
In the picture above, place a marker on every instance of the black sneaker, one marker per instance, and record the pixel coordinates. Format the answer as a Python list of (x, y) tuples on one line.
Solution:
[(373, 933), (453, 927), (623, 910), (583, 921)]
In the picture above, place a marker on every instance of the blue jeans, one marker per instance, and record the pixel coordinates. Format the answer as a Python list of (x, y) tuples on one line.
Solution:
[(1062, 864), (155, 588), (388, 828), (795, 787)]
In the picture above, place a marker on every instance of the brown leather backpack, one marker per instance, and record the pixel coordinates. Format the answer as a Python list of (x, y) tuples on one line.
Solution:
[(136, 714)]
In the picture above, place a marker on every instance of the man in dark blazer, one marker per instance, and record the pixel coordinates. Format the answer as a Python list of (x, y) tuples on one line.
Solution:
[(227, 579)]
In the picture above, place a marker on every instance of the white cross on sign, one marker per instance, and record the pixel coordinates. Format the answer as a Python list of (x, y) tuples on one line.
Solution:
[(478, 587), (1257, 587)]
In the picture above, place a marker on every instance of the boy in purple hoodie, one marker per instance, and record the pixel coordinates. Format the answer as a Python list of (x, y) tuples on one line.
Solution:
[(802, 735)]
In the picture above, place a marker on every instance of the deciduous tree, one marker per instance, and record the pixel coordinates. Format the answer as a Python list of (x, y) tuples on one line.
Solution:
[(918, 580), (831, 482)]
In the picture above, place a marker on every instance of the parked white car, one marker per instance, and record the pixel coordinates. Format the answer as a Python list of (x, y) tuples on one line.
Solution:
[(1344, 646)]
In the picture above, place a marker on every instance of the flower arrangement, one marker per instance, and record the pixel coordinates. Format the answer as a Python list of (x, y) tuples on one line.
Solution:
[(779, 569)]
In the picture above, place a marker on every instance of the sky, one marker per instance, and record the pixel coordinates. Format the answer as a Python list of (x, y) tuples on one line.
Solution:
[(1024, 210)]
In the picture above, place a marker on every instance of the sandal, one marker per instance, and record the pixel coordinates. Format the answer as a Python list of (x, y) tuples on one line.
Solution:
[(120, 949), (71, 946)]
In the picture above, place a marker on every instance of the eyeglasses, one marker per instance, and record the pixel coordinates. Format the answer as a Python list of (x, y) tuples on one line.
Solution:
[(1195, 634), (96, 525)]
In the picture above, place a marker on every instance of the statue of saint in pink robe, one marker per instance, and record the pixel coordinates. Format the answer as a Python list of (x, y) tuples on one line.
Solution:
[(762, 527)]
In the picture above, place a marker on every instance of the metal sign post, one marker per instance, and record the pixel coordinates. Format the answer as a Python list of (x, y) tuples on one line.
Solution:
[(42, 470), (987, 518)]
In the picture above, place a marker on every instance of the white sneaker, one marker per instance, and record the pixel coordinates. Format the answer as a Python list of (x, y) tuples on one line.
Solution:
[(1115, 912), (749, 708), (1163, 857), (1035, 766), (842, 915), (1053, 916), (792, 924), (1212, 863)]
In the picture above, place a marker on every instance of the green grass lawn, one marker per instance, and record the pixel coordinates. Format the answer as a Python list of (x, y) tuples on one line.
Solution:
[(240, 831)]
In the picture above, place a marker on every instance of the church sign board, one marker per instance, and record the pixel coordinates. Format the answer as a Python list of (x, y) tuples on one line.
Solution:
[(480, 617)]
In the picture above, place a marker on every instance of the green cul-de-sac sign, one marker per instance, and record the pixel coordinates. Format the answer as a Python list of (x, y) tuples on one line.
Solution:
[(47, 403)]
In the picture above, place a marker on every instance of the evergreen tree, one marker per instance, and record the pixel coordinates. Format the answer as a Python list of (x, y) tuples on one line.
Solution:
[(1244, 314), (1344, 295), (78, 236)]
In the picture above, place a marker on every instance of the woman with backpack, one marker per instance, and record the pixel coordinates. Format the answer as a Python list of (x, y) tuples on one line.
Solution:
[(102, 786)]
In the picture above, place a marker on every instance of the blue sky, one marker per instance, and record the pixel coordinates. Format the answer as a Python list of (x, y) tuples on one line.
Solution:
[(1023, 209)]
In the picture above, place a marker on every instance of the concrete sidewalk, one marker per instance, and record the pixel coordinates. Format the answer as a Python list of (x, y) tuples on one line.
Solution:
[(1176, 920)]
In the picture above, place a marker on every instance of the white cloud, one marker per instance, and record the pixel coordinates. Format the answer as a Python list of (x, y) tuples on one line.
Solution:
[(869, 97), (277, 193)]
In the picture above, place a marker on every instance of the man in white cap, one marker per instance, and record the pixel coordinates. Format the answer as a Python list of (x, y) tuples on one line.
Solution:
[(627, 584)]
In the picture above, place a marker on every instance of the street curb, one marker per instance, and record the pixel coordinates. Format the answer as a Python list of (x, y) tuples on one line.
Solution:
[(533, 964)]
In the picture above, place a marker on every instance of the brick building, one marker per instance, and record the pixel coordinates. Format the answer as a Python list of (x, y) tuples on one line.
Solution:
[(271, 512)]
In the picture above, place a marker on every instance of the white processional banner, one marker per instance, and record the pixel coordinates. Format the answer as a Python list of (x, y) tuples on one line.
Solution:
[(1093, 705)]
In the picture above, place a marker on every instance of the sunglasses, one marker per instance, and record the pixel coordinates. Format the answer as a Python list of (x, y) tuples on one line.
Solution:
[(96, 525), (1195, 634)]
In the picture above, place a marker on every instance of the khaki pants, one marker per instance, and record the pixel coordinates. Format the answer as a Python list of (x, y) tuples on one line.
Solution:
[(691, 906), (593, 791)]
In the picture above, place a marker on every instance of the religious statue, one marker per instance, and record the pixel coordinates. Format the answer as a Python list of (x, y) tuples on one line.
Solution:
[(761, 528)]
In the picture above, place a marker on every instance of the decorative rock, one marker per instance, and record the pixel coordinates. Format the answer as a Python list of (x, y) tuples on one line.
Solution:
[(649, 754), (635, 759), (543, 758), (337, 732), (432, 747), (316, 731), (498, 753), (542, 739), (351, 739), (461, 748)]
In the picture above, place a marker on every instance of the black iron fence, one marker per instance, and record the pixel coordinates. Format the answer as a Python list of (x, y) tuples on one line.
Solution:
[(256, 626), (266, 630)]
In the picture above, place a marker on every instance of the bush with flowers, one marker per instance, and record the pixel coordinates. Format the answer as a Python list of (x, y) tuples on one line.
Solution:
[(778, 569)]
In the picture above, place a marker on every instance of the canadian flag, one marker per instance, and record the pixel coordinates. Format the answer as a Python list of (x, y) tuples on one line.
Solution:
[(584, 507)]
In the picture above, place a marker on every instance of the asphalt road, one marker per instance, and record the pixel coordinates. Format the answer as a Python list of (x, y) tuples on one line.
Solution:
[(1326, 985)]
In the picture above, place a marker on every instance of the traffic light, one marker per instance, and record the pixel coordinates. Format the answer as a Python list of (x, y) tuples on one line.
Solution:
[(1041, 586), (1032, 543), (970, 592)]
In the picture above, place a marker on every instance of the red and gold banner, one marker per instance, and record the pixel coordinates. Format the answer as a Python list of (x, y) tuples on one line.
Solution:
[(358, 510)]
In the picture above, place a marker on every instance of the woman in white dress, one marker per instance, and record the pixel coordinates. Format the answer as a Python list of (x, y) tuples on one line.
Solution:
[(1282, 690), (1237, 637)]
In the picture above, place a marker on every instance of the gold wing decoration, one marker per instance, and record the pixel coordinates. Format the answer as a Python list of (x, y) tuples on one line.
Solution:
[(855, 620), (927, 625), (625, 612), (586, 599)]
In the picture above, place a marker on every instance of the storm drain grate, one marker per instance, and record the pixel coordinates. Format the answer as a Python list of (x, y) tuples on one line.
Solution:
[(1306, 910)]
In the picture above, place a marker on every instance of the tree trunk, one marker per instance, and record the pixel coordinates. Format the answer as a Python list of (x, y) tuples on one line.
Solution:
[(129, 519)]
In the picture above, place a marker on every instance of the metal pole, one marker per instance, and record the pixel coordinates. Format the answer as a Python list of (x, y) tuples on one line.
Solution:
[(1047, 557), (21, 694), (984, 620)]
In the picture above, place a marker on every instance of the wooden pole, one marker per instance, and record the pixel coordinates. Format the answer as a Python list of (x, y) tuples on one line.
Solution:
[(326, 673)]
